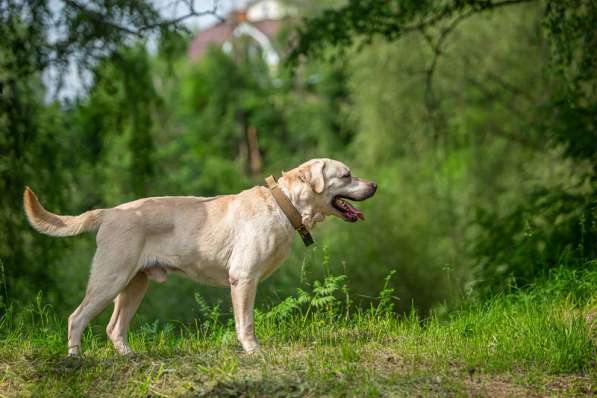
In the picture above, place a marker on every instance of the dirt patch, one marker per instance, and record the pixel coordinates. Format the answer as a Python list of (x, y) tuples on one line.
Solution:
[(507, 386), (494, 386), (251, 388)]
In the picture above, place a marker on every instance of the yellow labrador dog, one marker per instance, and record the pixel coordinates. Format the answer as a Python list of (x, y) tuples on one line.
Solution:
[(229, 240)]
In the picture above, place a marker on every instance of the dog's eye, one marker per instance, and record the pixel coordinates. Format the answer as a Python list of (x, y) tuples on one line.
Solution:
[(346, 175)]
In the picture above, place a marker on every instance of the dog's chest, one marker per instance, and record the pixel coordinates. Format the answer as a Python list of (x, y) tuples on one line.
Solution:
[(259, 247), (275, 258)]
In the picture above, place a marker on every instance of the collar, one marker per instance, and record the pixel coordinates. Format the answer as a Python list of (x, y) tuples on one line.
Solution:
[(289, 210)]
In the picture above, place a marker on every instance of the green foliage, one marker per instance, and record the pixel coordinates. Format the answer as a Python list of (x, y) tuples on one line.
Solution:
[(340, 28), (386, 298), (570, 28), (210, 314), (478, 127), (324, 297), (575, 285), (553, 227), (551, 221), (328, 299), (27, 147), (39, 145)]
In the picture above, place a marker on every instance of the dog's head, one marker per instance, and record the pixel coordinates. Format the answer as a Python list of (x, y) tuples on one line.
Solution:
[(320, 187)]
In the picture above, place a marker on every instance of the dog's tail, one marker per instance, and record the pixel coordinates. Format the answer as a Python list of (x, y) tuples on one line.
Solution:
[(55, 225)]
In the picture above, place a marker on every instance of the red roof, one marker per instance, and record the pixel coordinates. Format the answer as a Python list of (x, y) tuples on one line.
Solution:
[(222, 31)]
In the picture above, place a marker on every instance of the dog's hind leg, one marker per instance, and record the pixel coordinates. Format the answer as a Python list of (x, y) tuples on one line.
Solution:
[(125, 306), (108, 277)]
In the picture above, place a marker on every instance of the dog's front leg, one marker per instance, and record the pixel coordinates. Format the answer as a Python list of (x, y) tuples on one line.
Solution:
[(243, 299)]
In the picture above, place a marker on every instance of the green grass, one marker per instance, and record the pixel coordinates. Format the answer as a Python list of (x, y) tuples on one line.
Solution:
[(536, 342)]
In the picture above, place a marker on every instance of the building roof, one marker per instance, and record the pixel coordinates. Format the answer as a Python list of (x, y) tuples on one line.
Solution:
[(224, 31), (260, 20)]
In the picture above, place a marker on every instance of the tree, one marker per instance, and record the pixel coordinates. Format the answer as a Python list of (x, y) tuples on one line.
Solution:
[(554, 224), (33, 38)]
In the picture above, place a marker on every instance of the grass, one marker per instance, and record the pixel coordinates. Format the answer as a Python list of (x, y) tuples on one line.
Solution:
[(537, 342)]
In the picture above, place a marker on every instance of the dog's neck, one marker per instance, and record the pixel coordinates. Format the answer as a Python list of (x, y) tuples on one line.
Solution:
[(309, 215)]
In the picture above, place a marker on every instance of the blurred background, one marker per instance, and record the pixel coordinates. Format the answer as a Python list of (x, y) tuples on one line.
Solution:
[(475, 118)]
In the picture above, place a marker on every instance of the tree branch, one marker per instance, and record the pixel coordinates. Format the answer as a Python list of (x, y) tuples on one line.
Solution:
[(102, 19), (436, 45), (191, 13), (482, 6), (510, 87), (338, 27), (436, 48)]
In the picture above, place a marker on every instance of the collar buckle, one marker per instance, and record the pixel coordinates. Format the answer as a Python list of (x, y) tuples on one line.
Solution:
[(305, 235), (289, 210)]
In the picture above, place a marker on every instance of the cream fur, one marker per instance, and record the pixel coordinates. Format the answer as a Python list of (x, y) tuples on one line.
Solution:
[(230, 240)]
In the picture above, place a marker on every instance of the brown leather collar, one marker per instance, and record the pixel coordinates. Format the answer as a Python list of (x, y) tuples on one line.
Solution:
[(289, 210)]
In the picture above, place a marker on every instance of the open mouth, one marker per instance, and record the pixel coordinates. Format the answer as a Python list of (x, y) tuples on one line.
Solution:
[(348, 211)]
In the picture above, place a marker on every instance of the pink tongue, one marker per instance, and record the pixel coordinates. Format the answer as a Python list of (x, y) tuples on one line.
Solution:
[(351, 211)]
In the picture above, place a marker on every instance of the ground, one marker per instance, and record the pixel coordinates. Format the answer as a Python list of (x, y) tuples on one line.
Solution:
[(278, 371), (168, 366), (539, 342)]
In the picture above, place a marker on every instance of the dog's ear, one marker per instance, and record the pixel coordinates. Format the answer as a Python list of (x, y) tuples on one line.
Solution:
[(313, 175)]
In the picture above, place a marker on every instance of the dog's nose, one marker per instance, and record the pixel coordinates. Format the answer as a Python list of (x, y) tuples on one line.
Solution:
[(373, 186)]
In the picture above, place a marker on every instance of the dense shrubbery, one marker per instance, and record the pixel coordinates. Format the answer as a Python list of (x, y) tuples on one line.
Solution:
[(553, 227), (484, 151)]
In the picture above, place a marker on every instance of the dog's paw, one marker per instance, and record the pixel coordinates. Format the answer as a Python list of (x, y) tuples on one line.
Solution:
[(125, 351), (252, 349), (122, 348), (73, 353)]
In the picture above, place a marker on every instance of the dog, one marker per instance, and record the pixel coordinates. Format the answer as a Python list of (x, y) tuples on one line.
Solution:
[(229, 240)]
